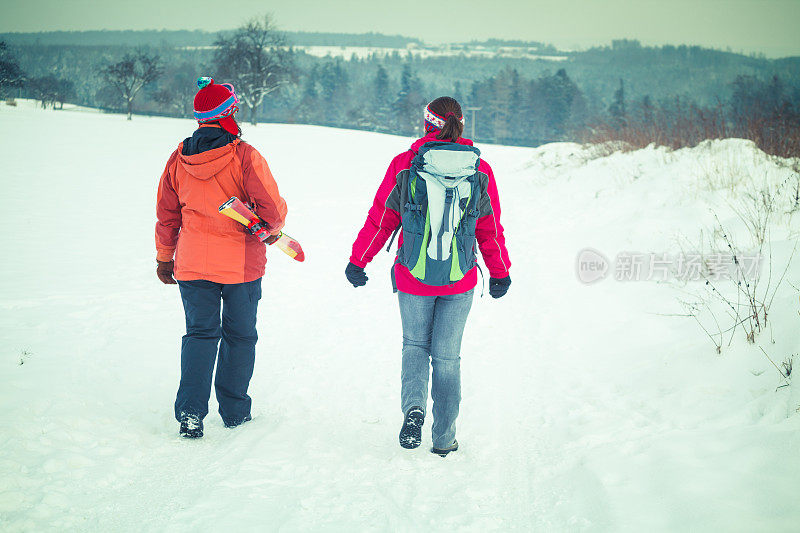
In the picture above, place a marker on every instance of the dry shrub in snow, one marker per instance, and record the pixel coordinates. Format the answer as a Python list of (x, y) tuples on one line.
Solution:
[(772, 123), (741, 300), (679, 126)]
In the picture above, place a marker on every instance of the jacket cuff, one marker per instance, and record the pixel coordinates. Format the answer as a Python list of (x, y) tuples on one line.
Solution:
[(499, 274), (358, 262), (165, 255)]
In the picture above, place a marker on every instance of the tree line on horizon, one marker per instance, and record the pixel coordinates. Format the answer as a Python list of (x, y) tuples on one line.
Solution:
[(518, 101)]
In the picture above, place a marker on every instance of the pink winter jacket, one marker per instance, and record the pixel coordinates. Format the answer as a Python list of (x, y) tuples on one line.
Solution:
[(382, 221)]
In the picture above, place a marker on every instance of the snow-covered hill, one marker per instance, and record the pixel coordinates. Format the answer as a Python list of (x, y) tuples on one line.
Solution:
[(361, 52), (585, 407)]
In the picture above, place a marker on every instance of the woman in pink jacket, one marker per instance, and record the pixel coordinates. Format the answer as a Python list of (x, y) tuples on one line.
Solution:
[(444, 198)]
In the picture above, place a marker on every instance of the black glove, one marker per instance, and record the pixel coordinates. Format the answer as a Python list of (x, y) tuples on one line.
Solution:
[(355, 275), (498, 287)]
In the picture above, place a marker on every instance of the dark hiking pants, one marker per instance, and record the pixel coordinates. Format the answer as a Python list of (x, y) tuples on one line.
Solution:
[(202, 302)]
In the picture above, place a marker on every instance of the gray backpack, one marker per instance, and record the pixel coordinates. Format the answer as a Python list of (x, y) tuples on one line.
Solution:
[(443, 195)]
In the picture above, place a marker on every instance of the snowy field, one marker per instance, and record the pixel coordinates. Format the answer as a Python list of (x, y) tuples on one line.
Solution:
[(585, 407), (362, 52)]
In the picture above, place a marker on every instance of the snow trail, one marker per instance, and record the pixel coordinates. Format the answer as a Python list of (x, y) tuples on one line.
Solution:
[(583, 410)]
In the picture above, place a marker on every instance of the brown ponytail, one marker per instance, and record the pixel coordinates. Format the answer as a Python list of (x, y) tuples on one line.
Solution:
[(449, 109)]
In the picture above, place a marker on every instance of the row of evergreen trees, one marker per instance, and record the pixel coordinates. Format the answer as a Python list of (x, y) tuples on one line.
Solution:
[(509, 108)]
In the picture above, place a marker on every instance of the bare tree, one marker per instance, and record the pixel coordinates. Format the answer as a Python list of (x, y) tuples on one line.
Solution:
[(50, 90), (131, 74), (256, 60), (65, 90), (44, 89)]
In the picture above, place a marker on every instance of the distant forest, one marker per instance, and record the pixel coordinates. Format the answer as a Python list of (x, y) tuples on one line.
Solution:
[(524, 101)]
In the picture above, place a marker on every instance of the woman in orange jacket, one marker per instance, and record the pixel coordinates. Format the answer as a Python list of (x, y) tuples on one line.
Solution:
[(217, 264)]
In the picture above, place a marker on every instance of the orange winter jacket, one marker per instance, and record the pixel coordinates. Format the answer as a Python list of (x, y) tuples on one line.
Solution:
[(206, 244)]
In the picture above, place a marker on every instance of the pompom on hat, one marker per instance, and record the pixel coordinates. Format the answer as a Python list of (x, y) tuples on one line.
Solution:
[(216, 102)]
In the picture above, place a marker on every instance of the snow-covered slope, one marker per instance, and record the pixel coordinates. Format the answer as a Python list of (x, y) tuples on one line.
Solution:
[(585, 409)]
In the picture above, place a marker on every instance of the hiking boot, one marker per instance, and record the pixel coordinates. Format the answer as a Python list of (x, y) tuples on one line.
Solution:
[(411, 432), (236, 423), (444, 451), (191, 427)]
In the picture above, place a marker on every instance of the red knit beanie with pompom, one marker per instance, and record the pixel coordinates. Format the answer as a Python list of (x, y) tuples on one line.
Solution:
[(216, 103)]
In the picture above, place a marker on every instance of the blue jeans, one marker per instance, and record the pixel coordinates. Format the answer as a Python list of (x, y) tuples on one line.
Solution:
[(202, 301), (432, 328)]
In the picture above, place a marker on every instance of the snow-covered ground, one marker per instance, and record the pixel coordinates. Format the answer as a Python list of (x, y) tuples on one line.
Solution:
[(362, 52), (585, 408), (420, 52)]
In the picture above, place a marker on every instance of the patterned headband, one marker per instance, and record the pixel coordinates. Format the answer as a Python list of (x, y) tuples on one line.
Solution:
[(434, 121)]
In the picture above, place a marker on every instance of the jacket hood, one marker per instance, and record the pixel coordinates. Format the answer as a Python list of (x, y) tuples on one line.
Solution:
[(208, 163), (431, 137)]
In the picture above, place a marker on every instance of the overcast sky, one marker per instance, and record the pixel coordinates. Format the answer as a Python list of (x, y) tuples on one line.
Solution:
[(768, 26)]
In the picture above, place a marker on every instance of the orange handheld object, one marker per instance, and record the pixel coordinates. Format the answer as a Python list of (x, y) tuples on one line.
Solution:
[(290, 247), (238, 211)]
